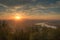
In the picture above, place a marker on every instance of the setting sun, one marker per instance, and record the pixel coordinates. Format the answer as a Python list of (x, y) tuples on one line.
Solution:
[(17, 17)]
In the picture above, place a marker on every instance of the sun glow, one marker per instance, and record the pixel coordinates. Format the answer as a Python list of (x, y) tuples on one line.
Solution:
[(17, 17)]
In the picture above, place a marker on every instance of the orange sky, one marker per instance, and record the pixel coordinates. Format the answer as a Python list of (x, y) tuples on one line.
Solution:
[(44, 17)]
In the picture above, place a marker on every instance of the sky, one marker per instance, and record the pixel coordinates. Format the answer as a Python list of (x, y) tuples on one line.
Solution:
[(31, 9)]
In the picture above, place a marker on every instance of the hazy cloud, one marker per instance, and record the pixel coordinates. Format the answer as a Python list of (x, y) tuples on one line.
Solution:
[(31, 7)]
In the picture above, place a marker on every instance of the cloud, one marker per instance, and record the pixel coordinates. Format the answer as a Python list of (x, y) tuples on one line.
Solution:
[(24, 2), (35, 8), (15, 2), (31, 7), (3, 7)]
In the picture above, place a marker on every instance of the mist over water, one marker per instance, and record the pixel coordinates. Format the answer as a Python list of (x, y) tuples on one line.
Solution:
[(46, 25)]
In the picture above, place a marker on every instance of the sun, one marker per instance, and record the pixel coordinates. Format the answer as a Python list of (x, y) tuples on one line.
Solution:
[(17, 17)]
